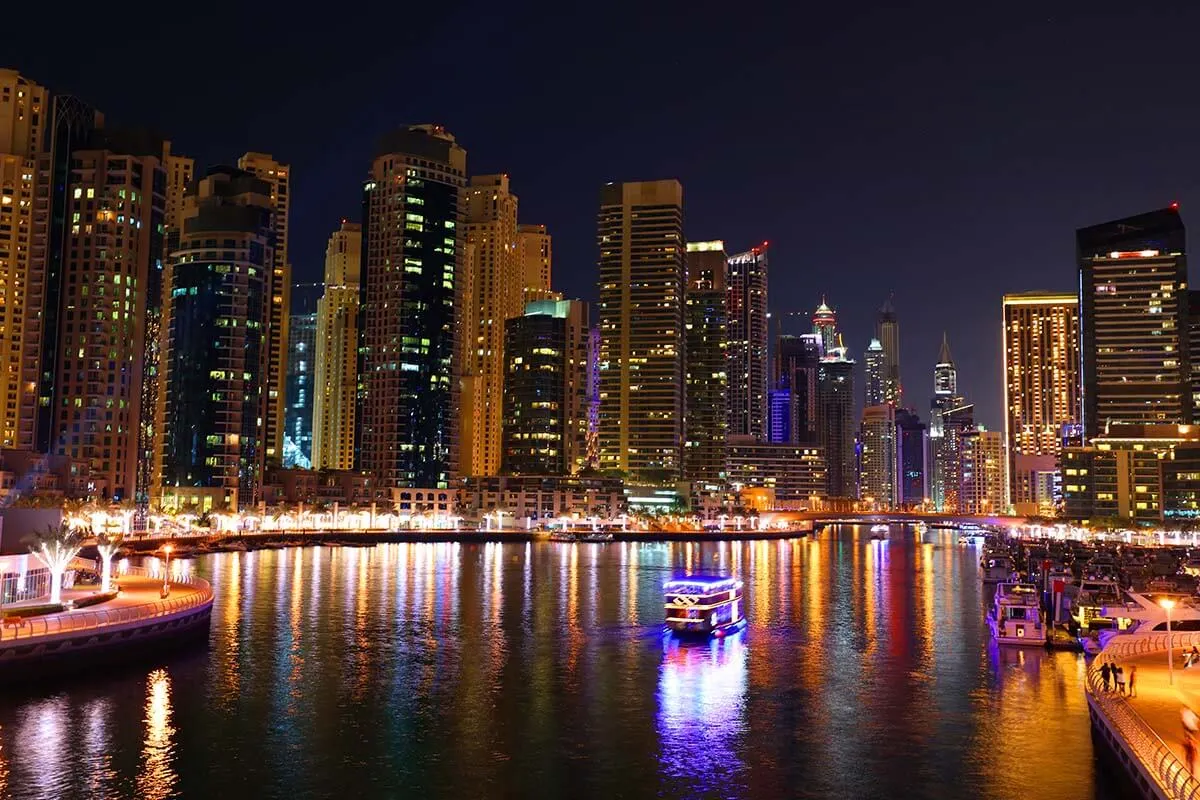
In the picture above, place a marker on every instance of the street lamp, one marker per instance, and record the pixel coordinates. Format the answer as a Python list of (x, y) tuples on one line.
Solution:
[(1167, 603), (167, 570)]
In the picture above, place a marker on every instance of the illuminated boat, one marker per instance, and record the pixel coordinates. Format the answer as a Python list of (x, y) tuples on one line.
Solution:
[(879, 531), (998, 569), (1016, 615), (703, 605)]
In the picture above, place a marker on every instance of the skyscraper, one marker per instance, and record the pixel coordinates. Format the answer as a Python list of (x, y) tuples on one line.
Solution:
[(640, 236), (546, 393), (278, 177), (300, 386), (408, 401), (794, 376), (985, 482), (878, 468), (835, 422), (887, 331), (912, 442), (211, 452), (337, 351), (825, 326), (496, 294), (707, 377), (949, 418), (534, 253), (24, 107), (874, 365), (746, 290), (1041, 386), (1134, 317)]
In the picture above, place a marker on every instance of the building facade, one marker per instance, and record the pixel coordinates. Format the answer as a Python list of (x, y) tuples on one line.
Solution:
[(407, 405), (887, 331), (746, 306), (793, 474), (300, 386), (212, 450), (879, 480), (546, 392), (835, 423), (793, 409), (706, 368), (1041, 392), (640, 237), (534, 252), (1134, 320), (984, 473), (873, 369), (912, 442), (336, 358)]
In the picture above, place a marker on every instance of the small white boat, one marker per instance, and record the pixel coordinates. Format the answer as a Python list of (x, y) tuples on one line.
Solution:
[(998, 569), (879, 531), (1016, 615)]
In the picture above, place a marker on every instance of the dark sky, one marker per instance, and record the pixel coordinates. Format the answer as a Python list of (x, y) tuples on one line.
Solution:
[(945, 152)]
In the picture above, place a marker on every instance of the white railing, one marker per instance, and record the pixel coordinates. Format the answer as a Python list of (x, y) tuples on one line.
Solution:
[(1156, 755), (70, 621)]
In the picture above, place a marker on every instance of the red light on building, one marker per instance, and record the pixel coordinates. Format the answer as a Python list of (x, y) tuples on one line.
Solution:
[(1175, 206)]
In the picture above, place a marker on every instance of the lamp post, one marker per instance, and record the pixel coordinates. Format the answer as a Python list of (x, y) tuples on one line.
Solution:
[(167, 570), (1167, 603)]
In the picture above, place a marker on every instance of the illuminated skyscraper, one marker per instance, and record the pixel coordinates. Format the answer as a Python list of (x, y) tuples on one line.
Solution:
[(24, 108), (337, 351), (874, 365), (984, 473), (301, 376), (533, 254), (546, 393), (408, 401), (1041, 385), (1134, 320), (912, 444), (794, 376), (746, 292), (887, 331), (950, 417), (835, 422), (211, 452), (496, 294), (706, 322), (278, 299), (640, 236), (878, 468), (825, 326)]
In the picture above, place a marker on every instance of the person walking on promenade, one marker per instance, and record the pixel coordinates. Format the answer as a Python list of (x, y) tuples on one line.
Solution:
[(1106, 674), (1133, 680), (1119, 677)]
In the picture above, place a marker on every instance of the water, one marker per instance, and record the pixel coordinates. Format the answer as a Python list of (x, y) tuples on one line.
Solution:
[(508, 671)]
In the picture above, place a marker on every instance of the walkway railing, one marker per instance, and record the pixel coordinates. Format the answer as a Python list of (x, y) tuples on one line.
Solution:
[(1156, 755), (70, 621)]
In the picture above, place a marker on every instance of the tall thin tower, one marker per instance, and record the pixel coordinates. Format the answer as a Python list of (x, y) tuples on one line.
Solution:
[(337, 351), (746, 289), (640, 237), (887, 331)]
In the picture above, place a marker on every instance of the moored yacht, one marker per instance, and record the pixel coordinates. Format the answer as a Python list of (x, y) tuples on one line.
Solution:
[(1016, 615), (997, 568)]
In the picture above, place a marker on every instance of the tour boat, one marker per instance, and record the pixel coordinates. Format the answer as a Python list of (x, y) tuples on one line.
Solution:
[(592, 536), (1016, 615), (703, 605), (879, 532)]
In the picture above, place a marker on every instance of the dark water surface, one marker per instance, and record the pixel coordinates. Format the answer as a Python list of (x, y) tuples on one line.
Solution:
[(511, 671)]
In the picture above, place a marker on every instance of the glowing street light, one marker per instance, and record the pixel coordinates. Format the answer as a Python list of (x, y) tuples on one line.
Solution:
[(167, 570), (1167, 603)]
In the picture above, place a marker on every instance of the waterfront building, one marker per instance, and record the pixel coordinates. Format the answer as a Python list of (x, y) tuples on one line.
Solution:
[(546, 391), (212, 449), (949, 417), (706, 366), (407, 406), (640, 238), (825, 327), (1180, 470), (887, 331), (534, 250), (835, 422), (530, 499), (1123, 473), (24, 109), (873, 367), (984, 473), (336, 357), (794, 475), (1134, 321), (793, 401), (1194, 347), (1041, 391), (494, 293), (326, 487), (746, 354), (878, 482), (912, 444), (29, 476), (301, 371)]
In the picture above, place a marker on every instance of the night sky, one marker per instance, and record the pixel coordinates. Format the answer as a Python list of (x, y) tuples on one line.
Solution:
[(945, 152)]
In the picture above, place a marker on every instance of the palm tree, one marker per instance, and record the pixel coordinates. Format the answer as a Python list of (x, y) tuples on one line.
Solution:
[(55, 547), (107, 544)]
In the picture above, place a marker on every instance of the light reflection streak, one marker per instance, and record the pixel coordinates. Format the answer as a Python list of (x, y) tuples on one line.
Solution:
[(228, 654), (157, 777), (3, 766)]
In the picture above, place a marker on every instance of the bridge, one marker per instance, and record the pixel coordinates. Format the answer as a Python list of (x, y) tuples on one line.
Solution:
[(1145, 730), (820, 519)]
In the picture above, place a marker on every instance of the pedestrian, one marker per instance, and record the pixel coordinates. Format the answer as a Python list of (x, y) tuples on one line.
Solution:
[(1106, 673), (1133, 680), (1119, 675)]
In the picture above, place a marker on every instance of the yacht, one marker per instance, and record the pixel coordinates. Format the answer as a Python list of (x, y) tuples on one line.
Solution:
[(1089, 600), (998, 568), (704, 605), (1016, 615), (879, 531)]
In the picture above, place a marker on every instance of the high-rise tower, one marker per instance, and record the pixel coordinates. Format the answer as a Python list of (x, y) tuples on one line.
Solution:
[(825, 325), (835, 422), (534, 250), (337, 351), (1133, 321), (707, 370), (746, 289), (887, 331), (1041, 391), (413, 239), (794, 396), (879, 482), (874, 367), (279, 301), (300, 386), (950, 417), (640, 236)]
